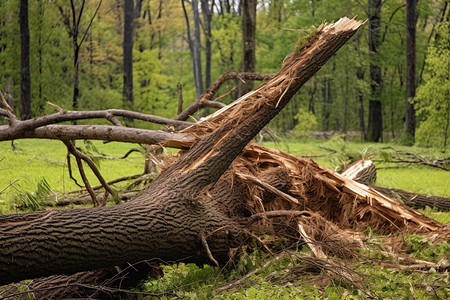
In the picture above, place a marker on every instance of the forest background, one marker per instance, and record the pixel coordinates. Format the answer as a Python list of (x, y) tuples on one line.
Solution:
[(80, 53)]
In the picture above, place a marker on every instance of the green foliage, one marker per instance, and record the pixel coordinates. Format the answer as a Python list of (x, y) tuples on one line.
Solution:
[(433, 103), (306, 124), (425, 248), (30, 200)]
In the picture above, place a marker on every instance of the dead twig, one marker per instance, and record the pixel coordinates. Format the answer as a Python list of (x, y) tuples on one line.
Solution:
[(70, 146), (208, 251), (180, 98), (268, 187), (277, 213), (78, 154), (111, 182), (8, 186), (248, 275), (209, 93), (122, 157), (69, 168)]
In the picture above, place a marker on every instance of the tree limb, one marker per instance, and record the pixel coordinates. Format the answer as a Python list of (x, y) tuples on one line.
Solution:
[(210, 92)]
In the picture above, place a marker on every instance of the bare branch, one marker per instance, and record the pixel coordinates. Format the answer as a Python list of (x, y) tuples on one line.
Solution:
[(209, 93), (73, 150), (97, 114), (77, 153), (99, 132), (208, 251), (180, 98), (268, 187)]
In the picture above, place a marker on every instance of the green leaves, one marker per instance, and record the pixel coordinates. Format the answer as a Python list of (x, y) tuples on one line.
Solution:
[(433, 97)]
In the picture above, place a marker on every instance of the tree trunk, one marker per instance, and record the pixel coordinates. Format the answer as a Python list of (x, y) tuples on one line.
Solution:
[(187, 204), (25, 81), (198, 77), (128, 41), (410, 117), (207, 16), (375, 126), (248, 42)]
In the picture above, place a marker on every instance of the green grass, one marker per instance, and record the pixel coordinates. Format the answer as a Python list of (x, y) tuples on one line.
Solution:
[(33, 160)]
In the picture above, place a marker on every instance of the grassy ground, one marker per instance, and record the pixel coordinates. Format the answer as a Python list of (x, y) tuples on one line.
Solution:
[(285, 277)]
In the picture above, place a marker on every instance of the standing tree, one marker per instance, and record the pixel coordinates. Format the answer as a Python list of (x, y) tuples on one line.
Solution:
[(433, 95), (410, 117), (131, 12), (375, 126), (25, 81), (194, 47), (207, 18), (72, 19), (248, 42)]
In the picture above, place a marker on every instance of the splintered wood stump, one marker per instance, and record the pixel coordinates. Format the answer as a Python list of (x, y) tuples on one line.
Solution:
[(198, 210)]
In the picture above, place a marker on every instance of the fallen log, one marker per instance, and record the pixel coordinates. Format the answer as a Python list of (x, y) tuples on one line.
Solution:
[(364, 171), (416, 200)]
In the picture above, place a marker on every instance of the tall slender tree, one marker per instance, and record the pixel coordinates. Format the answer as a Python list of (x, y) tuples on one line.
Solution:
[(375, 126), (249, 42), (207, 18), (128, 40), (72, 19), (194, 46), (25, 80), (410, 117)]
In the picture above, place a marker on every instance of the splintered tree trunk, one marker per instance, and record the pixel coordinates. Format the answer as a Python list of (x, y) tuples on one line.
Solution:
[(188, 204)]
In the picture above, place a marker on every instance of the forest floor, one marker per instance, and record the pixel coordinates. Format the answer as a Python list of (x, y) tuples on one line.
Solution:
[(287, 274)]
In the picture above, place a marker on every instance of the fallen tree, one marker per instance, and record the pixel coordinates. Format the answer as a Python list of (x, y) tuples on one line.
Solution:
[(364, 171), (203, 205)]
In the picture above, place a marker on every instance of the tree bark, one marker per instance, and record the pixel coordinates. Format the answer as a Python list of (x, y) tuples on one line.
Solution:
[(410, 117), (188, 201), (375, 126), (128, 41), (196, 51), (207, 17), (416, 200), (248, 42), (25, 80)]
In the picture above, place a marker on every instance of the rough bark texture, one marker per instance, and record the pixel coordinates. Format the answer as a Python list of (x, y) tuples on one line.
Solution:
[(128, 41), (189, 200), (375, 126), (416, 200), (25, 81)]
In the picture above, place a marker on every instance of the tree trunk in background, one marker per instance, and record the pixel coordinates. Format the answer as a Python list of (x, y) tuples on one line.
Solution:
[(76, 51), (248, 42), (360, 94), (25, 81), (128, 40), (207, 16), (375, 125), (198, 77), (410, 117)]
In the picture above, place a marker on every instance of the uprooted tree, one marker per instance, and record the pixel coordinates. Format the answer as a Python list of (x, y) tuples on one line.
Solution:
[(204, 205)]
